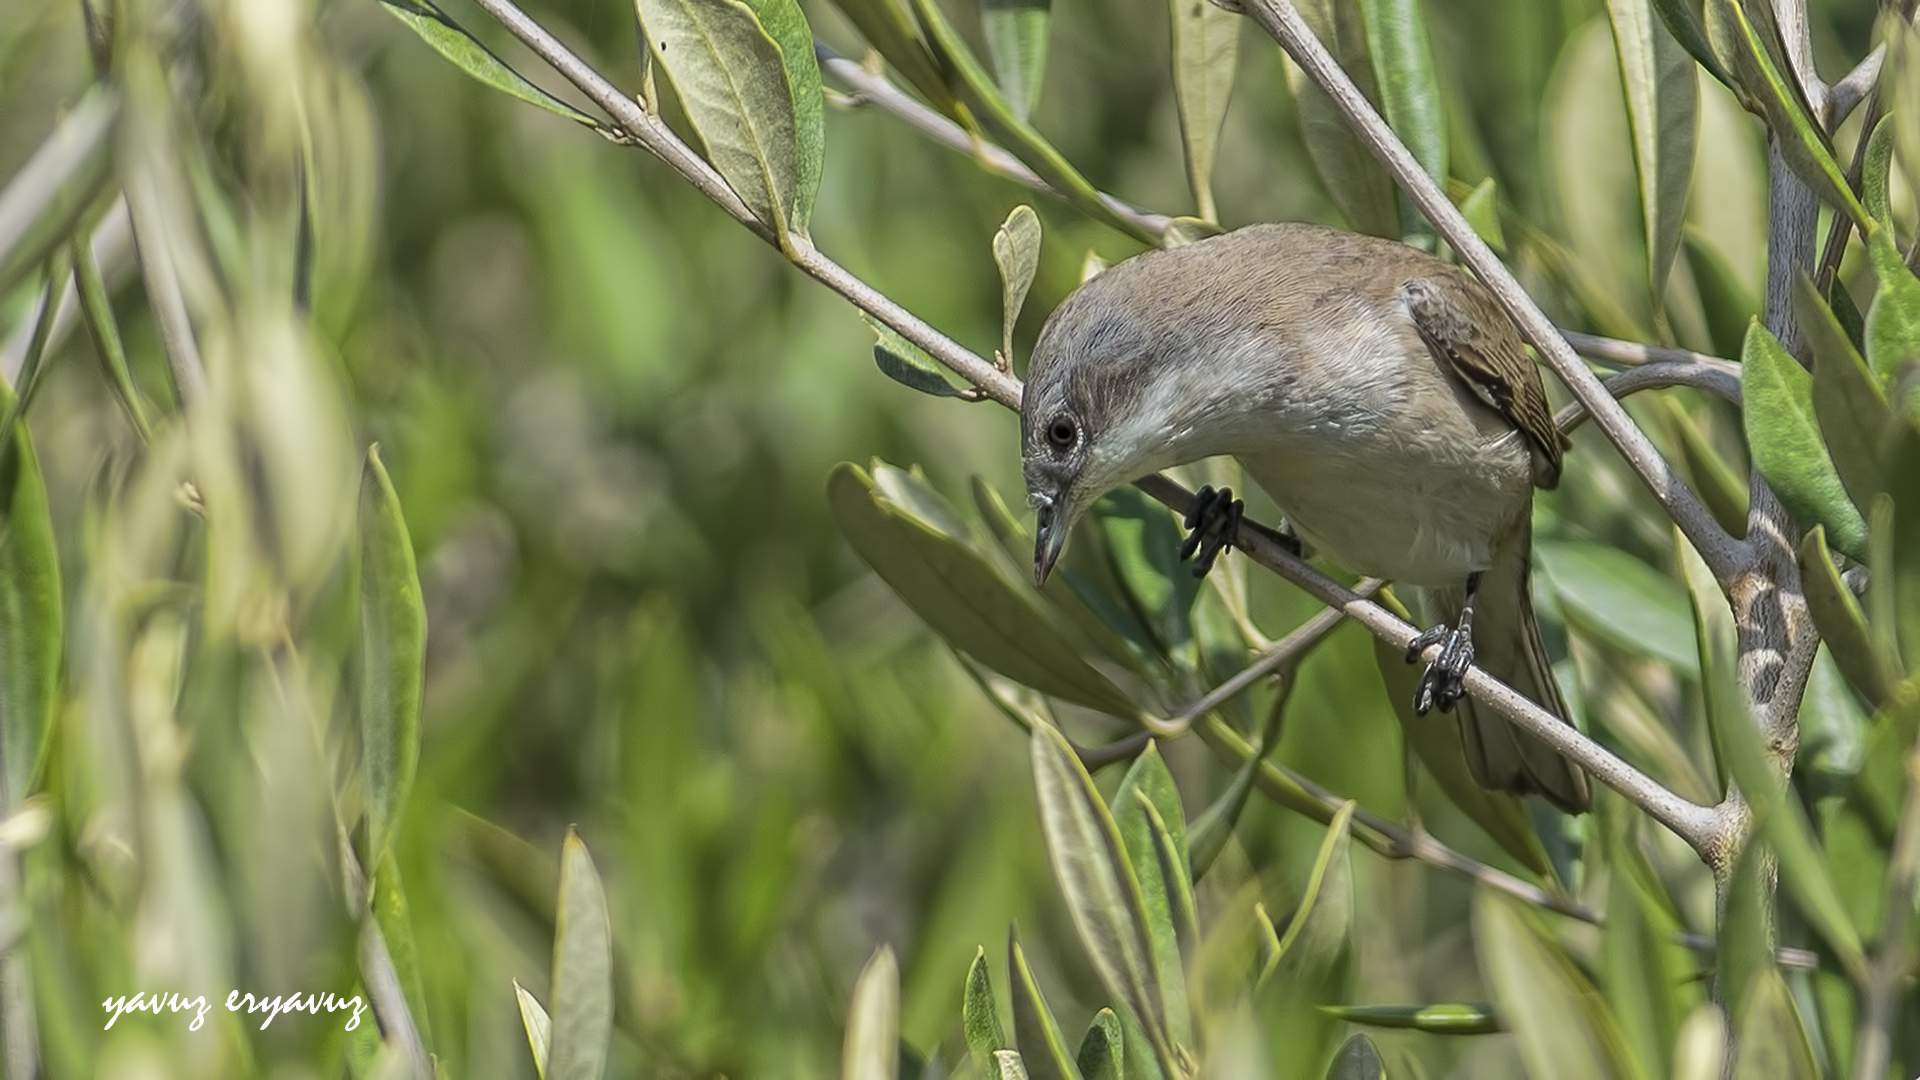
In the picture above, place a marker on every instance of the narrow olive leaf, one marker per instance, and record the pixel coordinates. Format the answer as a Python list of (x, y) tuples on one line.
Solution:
[(1848, 402), (1800, 140), (1357, 1059), (396, 931), (393, 654), (1724, 300), (1090, 859), (1615, 596), (1842, 624), (1439, 744), (448, 39), (1700, 1051), (1875, 167), (906, 363), (1770, 1039), (1016, 32), (1783, 436), (1317, 933), (731, 78), (1900, 575), (27, 379), (1354, 178), (31, 615), (1682, 19), (1147, 811), (106, 335), (974, 88), (582, 969), (787, 26), (1214, 826), (872, 1050), (539, 1027), (1102, 1054), (959, 594), (1206, 53), (1662, 97), (1144, 540), (1042, 1046), (1542, 996), (44, 200), (1447, 1019), (979, 1016), (1481, 207), (1016, 250), (1882, 599), (886, 27), (1777, 813), (1643, 970), (1409, 88), (1892, 334)]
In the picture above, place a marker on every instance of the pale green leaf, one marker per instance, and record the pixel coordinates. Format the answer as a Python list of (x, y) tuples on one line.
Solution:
[(1317, 933), (1016, 250), (1662, 96), (582, 969), (1206, 53), (1409, 86), (31, 614), (393, 654), (1102, 1054), (47, 197), (1358, 1059), (1016, 32), (539, 1027), (979, 1016), (872, 1050), (1848, 402), (465, 51), (1543, 997), (906, 363), (1042, 1046), (787, 26), (1770, 1039), (1784, 437)]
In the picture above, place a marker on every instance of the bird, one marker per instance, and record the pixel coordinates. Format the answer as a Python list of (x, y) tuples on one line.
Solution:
[(1377, 394)]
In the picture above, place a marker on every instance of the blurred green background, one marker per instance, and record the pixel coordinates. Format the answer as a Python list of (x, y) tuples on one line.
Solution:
[(610, 413)]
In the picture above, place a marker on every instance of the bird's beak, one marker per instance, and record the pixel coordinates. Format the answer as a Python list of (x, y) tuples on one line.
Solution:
[(1049, 536)]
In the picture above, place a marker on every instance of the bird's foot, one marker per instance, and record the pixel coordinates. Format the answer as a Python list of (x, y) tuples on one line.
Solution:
[(1214, 521), (1443, 683)]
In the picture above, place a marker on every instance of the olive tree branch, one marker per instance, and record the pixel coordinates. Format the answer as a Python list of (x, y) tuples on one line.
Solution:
[(1725, 555)]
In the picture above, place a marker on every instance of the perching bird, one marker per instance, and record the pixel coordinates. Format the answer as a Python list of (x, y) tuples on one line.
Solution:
[(1380, 396)]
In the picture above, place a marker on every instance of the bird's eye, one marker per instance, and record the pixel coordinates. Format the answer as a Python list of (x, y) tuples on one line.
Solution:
[(1061, 432)]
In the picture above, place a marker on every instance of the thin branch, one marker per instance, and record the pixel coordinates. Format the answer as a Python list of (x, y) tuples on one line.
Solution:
[(1656, 376), (873, 88), (1725, 555), (1796, 34), (1849, 92), (111, 239), (1873, 1043), (1619, 353), (1286, 651)]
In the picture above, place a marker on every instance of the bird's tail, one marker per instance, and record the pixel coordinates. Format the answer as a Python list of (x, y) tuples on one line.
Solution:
[(1506, 642)]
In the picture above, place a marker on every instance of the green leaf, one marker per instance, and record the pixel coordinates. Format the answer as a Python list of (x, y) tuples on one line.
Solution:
[(907, 535), (1481, 207), (1016, 250), (1206, 53), (1144, 541), (1700, 1051), (1800, 140), (906, 363), (393, 655), (1776, 812), (1610, 593), (539, 1027), (787, 26), (1900, 575), (974, 88), (1837, 615), (396, 931), (1214, 826), (1101, 891), (1439, 744), (1358, 1059), (732, 80), (1874, 169), (1317, 933), (1683, 22), (1783, 436), (1409, 88), (1644, 972), (1007, 1065), (1662, 97), (872, 1049), (979, 1016), (1146, 810), (451, 41), (1042, 1047), (1102, 1054), (582, 969), (1354, 179), (885, 25), (1893, 321), (1016, 33), (1848, 402), (43, 202), (1449, 1019), (31, 615), (1551, 1008), (106, 334), (1770, 1041)]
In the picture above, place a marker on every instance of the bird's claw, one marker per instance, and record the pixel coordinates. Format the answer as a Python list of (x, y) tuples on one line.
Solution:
[(1444, 681), (1214, 521)]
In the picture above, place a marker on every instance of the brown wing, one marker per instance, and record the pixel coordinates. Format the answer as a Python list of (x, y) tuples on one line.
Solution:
[(1467, 329)]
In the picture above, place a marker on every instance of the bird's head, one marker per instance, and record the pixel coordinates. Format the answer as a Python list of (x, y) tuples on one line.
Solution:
[(1088, 420)]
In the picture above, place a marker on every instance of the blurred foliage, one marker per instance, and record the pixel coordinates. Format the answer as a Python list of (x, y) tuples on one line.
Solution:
[(610, 424)]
